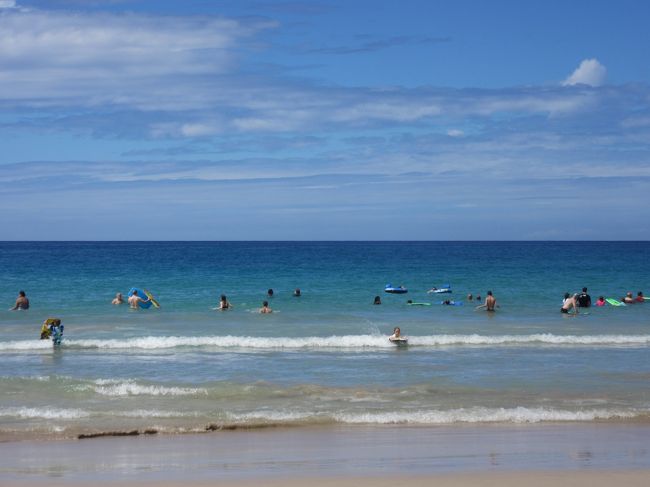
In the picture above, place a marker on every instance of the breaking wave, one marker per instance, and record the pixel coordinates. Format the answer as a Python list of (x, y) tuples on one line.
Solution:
[(345, 342)]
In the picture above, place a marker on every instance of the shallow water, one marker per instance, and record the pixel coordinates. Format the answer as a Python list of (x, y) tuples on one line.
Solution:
[(324, 357)]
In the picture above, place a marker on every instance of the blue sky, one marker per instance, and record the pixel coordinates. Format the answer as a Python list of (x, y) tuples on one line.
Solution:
[(344, 120)]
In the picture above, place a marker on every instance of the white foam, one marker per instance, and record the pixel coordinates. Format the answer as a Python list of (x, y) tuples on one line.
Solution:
[(485, 415), (45, 412), (153, 413), (333, 342), (441, 417), (132, 388)]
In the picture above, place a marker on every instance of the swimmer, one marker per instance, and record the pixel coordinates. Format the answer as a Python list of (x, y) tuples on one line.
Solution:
[(21, 302), (397, 335), (478, 297), (224, 304), (118, 299), (470, 297), (269, 293), (377, 300), (584, 300), (570, 302), (639, 297), (490, 303), (265, 308), (297, 293), (600, 301), (628, 299), (135, 300)]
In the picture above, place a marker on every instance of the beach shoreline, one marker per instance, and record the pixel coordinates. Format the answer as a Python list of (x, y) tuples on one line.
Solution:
[(449, 455)]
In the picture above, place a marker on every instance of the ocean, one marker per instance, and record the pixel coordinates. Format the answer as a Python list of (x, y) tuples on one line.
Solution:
[(322, 358)]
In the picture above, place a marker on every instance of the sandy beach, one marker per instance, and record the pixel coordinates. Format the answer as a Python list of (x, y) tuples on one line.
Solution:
[(569, 454)]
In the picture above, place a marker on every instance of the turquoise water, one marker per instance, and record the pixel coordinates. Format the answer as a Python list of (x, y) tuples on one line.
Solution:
[(323, 357)]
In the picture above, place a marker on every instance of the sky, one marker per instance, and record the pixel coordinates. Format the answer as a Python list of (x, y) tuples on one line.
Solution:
[(324, 120)]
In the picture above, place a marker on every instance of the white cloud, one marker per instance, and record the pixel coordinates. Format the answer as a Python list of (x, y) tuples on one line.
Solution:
[(455, 133), (61, 58), (590, 72), (7, 4)]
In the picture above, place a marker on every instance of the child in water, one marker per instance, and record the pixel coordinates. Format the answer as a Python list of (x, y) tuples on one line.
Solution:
[(52, 328), (601, 301), (397, 335)]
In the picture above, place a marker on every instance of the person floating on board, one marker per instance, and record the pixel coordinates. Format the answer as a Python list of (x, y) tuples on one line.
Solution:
[(397, 335), (135, 300), (21, 302), (52, 329)]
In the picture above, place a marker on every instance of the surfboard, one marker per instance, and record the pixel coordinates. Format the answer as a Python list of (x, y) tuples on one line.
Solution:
[(418, 304), (614, 302), (155, 303), (142, 294)]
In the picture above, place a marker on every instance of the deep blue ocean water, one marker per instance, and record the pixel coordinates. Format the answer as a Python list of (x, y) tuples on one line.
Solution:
[(323, 357)]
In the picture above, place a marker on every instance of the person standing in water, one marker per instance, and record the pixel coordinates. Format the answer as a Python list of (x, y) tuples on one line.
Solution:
[(490, 303), (21, 302), (224, 304), (583, 299), (118, 299), (135, 300), (265, 308)]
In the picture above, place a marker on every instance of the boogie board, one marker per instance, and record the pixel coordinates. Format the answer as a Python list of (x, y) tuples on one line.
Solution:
[(452, 303), (614, 302), (155, 303), (143, 295), (400, 342), (418, 304)]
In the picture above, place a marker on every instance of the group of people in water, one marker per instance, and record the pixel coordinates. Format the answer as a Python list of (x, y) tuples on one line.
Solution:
[(572, 302), (52, 327), (134, 301), (490, 303)]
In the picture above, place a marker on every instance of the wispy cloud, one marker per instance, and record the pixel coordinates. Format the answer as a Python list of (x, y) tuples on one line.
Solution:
[(375, 45), (90, 59)]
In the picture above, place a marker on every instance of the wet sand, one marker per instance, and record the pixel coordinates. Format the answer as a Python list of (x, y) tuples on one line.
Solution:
[(591, 454)]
